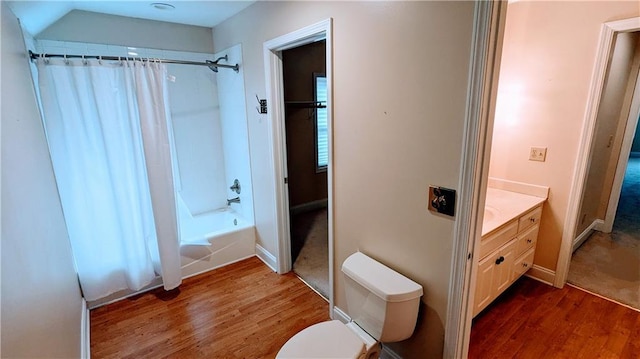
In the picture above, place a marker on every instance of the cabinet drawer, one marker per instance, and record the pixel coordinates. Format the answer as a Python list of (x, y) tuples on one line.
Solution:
[(527, 239), (530, 219), (497, 239), (523, 263)]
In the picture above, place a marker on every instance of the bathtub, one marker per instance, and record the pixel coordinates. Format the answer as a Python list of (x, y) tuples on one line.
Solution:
[(213, 239), (205, 228)]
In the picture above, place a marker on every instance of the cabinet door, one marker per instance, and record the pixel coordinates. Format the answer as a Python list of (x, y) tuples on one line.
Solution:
[(503, 270), (484, 288)]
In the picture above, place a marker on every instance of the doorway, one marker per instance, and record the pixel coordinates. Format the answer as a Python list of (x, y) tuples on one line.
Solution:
[(305, 117), (606, 254), (275, 96)]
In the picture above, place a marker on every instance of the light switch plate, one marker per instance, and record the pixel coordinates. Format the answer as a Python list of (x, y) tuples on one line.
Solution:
[(538, 154)]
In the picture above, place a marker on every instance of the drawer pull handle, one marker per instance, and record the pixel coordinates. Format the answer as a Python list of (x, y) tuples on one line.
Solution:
[(500, 260), (525, 265), (529, 241), (532, 219)]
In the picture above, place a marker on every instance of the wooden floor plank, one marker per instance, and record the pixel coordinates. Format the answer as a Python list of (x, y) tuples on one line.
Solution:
[(534, 320), (242, 310)]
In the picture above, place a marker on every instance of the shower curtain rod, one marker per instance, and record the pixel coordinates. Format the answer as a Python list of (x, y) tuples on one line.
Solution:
[(213, 65)]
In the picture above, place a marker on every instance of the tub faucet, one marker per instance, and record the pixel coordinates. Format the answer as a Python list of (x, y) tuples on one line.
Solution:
[(233, 200)]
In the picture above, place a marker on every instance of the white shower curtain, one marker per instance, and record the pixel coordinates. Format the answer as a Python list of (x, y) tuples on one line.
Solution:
[(106, 124)]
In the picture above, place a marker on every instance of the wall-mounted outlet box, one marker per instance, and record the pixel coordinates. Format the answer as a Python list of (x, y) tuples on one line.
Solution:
[(442, 200), (538, 154)]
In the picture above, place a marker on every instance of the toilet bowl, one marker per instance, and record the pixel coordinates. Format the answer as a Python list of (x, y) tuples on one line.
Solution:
[(383, 305)]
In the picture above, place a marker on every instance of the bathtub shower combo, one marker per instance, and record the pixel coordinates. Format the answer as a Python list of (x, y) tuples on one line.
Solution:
[(208, 140), (212, 174)]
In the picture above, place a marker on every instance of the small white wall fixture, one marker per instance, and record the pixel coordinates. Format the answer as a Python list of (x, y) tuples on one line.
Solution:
[(606, 44), (275, 100)]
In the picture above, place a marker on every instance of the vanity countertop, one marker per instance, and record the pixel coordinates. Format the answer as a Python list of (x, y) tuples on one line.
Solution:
[(502, 206)]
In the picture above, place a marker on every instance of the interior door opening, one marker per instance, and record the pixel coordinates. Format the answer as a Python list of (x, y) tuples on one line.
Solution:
[(605, 258), (305, 117)]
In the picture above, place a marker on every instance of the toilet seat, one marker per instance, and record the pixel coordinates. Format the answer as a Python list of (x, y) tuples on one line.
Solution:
[(331, 339)]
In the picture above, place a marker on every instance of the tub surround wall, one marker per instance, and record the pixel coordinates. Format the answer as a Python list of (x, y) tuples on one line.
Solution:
[(41, 301), (235, 135), (198, 138), (542, 95), (391, 61)]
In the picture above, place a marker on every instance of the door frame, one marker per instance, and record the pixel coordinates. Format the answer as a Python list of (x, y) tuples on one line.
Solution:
[(275, 98), (605, 47), (482, 88)]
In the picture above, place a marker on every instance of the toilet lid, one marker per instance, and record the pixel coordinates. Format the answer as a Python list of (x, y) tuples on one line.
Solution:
[(330, 339)]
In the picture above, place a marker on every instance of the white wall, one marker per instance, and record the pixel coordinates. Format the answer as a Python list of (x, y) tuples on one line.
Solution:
[(85, 26), (400, 79), (195, 114), (235, 134), (41, 301), (548, 59)]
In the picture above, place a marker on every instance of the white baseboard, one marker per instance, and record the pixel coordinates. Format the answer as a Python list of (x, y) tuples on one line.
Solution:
[(577, 242), (310, 206), (85, 332), (599, 226), (339, 314), (542, 274), (268, 258), (387, 353)]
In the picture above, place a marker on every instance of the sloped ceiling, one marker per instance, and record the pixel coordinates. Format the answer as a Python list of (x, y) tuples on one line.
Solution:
[(36, 16)]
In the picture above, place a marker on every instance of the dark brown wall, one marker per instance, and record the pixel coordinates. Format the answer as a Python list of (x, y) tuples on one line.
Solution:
[(299, 64)]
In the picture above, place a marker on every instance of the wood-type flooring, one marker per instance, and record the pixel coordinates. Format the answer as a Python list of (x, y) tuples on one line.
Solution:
[(243, 310), (535, 320)]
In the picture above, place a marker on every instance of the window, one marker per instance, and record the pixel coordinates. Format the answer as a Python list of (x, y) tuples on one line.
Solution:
[(322, 145)]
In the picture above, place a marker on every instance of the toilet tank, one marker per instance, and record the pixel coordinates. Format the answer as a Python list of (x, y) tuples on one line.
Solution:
[(380, 300)]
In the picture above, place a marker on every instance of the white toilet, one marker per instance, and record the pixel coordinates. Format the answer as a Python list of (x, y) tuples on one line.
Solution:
[(383, 306)]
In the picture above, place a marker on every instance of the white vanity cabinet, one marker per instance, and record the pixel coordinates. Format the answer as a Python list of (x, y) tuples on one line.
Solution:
[(505, 254)]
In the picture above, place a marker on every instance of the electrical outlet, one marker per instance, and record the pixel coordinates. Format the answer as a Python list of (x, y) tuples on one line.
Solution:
[(538, 154)]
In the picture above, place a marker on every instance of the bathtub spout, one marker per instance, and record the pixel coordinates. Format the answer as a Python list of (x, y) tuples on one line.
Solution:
[(233, 200)]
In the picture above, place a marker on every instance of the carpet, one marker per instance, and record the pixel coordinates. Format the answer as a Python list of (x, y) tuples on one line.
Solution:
[(312, 262), (609, 263)]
